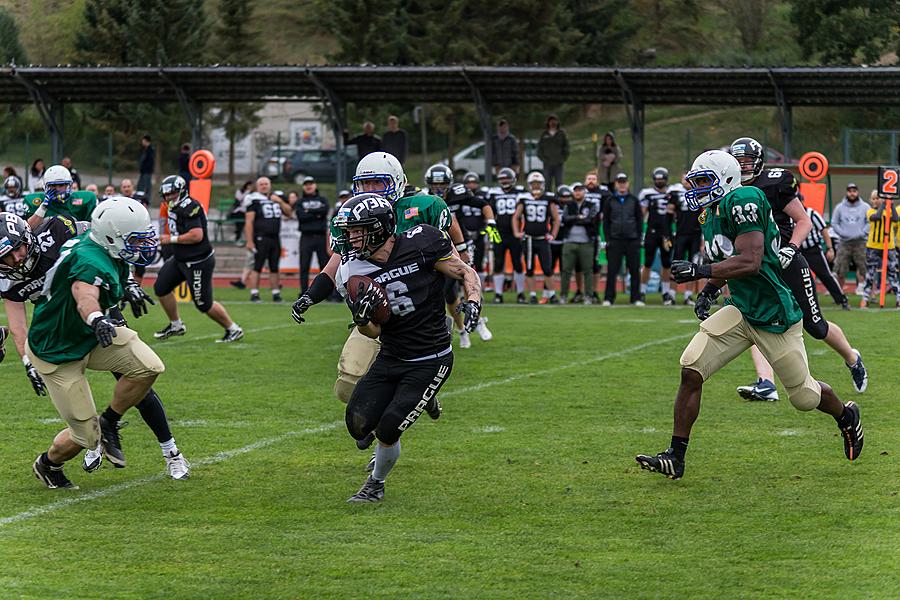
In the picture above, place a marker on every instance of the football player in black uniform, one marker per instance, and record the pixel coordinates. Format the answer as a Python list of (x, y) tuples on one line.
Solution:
[(659, 206), (416, 356), (595, 192), (12, 199), (24, 263), (688, 237), (503, 200), (474, 222), (538, 212), (562, 197), (794, 225), (263, 233), (463, 204), (192, 260)]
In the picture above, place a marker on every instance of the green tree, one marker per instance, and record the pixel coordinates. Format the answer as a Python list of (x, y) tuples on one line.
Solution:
[(846, 31), (11, 50), (236, 45)]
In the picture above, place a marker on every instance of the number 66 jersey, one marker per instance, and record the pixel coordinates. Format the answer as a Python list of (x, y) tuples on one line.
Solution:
[(417, 329)]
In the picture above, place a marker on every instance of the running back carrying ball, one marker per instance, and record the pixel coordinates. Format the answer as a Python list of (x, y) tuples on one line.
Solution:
[(359, 287)]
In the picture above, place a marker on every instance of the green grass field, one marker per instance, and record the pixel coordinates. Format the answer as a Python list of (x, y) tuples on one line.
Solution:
[(525, 488)]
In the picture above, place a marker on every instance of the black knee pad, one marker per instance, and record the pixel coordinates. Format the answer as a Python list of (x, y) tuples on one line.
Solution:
[(356, 422), (817, 329), (387, 435), (204, 306)]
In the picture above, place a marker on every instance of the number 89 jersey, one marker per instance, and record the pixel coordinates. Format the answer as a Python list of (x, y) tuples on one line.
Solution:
[(764, 299), (416, 329)]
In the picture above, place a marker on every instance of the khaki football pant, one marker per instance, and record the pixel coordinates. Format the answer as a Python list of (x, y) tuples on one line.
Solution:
[(357, 356), (69, 390), (726, 335)]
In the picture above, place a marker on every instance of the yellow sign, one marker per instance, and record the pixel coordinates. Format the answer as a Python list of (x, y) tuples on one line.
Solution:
[(183, 292)]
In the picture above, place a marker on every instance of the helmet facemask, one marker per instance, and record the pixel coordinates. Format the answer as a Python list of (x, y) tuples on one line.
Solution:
[(140, 247), (381, 184), (23, 269)]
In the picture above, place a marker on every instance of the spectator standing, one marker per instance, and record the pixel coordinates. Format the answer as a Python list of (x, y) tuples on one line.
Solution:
[(580, 218), (263, 232), (623, 222), (394, 140), (553, 150), (882, 227), (145, 165), (36, 179), (850, 223), (504, 148), (366, 142), (312, 212), (184, 162), (608, 156), (108, 192), (595, 192), (9, 171), (76, 178)]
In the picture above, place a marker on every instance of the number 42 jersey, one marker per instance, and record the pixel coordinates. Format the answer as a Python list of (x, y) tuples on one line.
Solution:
[(417, 329)]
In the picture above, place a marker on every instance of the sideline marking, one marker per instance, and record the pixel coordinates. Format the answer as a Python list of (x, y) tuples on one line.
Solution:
[(114, 489)]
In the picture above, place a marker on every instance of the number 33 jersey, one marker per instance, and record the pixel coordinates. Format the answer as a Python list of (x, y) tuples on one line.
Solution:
[(764, 299), (417, 329)]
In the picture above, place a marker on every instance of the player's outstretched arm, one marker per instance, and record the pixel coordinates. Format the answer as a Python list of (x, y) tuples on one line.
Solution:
[(321, 288), (745, 262), (18, 324), (455, 268)]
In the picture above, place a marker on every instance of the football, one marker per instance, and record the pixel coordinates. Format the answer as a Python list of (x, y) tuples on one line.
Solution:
[(382, 308)]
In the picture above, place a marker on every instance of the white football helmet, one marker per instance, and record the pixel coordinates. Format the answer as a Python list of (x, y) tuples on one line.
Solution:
[(122, 226), (383, 168), (57, 175), (535, 177), (713, 175)]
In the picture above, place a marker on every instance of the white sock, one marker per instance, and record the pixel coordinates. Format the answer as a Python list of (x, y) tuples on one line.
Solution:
[(234, 327), (666, 286), (545, 293), (276, 291), (643, 288), (499, 280), (169, 448), (520, 282), (534, 294), (688, 294), (254, 292), (177, 323)]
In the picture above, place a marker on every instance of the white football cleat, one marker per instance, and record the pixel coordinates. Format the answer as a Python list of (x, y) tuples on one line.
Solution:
[(464, 341), (483, 331), (177, 467), (92, 459)]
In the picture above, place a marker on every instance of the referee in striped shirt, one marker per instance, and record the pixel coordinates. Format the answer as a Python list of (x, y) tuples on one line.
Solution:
[(811, 248)]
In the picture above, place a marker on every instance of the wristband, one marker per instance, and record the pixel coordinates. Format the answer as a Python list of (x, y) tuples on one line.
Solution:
[(491, 223), (41, 211), (92, 316), (173, 239), (461, 247), (321, 288), (704, 271), (710, 289), (26, 362)]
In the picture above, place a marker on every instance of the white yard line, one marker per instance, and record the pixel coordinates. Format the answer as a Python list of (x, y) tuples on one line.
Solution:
[(571, 365), (119, 487), (187, 339)]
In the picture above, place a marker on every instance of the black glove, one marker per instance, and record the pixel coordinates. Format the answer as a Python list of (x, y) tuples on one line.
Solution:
[(471, 311), (104, 329), (684, 271), (137, 298), (705, 301), (4, 333), (116, 317), (35, 378), (301, 306), (363, 307), (786, 255)]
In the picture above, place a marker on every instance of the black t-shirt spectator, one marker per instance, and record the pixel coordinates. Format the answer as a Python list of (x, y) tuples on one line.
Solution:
[(312, 213), (395, 142), (622, 217), (187, 215), (365, 144), (147, 160), (267, 222)]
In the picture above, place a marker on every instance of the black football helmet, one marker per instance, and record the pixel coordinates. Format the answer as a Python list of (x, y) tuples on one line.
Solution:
[(173, 184), (12, 187), (471, 178), (506, 177), (751, 156), (564, 191), (438, 178), (660, 177), (14, 233), (370, 211)]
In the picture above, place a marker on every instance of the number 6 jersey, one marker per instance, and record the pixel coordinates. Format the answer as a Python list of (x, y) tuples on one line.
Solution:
[(417, 329), (764, 299)]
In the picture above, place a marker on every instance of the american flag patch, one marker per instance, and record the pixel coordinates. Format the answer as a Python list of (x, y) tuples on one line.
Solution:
[(77, 201), (411, 212)]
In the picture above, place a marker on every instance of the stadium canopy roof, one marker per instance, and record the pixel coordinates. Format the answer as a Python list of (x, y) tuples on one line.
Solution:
[(49, 88)]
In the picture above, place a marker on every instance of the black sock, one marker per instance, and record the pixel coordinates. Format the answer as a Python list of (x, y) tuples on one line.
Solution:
[(679, 446), (47, 462), (845, 420), (154, 416), (111, 416)]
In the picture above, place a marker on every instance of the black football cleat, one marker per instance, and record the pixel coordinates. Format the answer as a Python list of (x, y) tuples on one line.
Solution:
[(434, 408), (853, 433), (554, 299), (520, 299), (665, 462), (371, 491), (52, 477), (111, 443), (578, 298), (498, 298), (277, 297)]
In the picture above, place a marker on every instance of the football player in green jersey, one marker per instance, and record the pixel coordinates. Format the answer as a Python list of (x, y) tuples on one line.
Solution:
[(382, 174), (58, 199), (742, 240)]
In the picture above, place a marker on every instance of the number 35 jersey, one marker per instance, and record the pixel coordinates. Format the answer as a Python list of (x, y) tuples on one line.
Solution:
[(417, 329), (764, 299)]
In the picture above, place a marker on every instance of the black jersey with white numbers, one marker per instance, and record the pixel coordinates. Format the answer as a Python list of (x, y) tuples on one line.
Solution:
[(780, 187), (50, 235), (267, 221), (504, 204), (657, 203), (15, 206), (536, 213), (185, 215), (466, 207), (417, 329)]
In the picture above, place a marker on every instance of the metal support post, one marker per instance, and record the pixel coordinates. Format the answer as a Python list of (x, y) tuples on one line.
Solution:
[(785, 116), (635, 109), (484, 118), (337, 119), (51, 114), (193, 111)]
